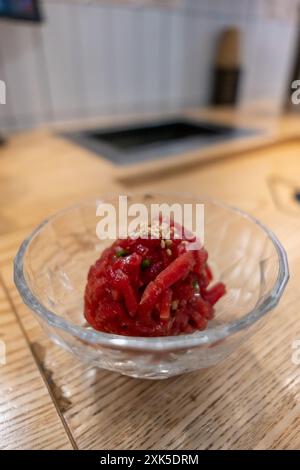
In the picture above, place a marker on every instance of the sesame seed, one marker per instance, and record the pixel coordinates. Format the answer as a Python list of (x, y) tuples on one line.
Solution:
[(174, 304), (169, 252), (162, 244)]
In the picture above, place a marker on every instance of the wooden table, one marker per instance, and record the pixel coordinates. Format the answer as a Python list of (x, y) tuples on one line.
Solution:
[(48, 400)]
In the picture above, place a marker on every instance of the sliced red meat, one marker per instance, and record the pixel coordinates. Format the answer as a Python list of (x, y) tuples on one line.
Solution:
[(214, 293), (178, 269), (150, 287), (165, 304)]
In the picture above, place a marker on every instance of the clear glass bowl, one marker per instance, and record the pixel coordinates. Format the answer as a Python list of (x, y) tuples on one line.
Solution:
[(50, 272)]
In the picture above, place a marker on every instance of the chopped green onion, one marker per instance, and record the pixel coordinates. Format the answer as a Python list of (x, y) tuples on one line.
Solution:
[(195, 284), (121, 253), (145, 263)]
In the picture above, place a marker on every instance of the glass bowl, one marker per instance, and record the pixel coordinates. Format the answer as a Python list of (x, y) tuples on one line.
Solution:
[(50, 272)]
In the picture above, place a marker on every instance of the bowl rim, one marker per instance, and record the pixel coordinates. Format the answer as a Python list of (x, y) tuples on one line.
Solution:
[(166, 343)]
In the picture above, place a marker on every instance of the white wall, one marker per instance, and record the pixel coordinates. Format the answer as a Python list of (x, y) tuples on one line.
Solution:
[(92, 58)]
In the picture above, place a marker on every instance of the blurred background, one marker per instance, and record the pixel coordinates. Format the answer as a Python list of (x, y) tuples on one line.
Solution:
[(81, 59)]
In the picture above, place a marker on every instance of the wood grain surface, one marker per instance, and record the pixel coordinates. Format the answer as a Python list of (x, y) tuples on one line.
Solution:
[(28, 416), (50, 400)]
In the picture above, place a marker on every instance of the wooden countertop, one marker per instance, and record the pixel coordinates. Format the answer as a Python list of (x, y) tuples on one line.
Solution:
[(48, 400)]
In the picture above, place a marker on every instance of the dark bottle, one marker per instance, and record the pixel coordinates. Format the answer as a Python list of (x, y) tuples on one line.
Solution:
[(227, 69)]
